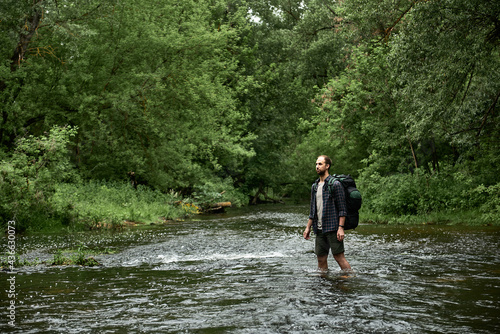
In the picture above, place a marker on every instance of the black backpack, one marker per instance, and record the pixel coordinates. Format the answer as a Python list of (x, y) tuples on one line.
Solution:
[(352, 197)]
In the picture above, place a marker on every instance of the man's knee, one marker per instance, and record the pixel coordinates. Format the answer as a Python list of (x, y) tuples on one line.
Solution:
[(323, 261), (342, 261), (339, 257)]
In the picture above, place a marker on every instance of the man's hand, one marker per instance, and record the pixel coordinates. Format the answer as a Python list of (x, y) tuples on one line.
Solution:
[(340, 231), (307, 233), (340, 234)]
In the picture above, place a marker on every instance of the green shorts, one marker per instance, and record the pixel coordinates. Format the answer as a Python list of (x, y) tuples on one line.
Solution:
[(327, 241)]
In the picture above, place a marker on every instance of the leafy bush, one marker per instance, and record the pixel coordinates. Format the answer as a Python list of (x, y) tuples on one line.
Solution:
[(422, 193), (59, 259), (36, 193), (488, 201), (27, 177), (99, 203), (218, 191)]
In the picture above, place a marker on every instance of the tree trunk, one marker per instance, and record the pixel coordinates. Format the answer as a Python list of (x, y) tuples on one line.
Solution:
[(28, 30)]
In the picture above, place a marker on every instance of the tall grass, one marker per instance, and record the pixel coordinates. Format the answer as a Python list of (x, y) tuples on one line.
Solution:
[(98, 203)]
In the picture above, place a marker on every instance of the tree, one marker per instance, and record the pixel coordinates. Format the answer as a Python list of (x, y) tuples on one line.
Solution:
[(146, 83), (445, 62), (444, 110), (296, 50)]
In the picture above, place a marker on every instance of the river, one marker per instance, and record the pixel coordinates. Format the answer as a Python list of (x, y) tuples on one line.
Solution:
[(250, 271)]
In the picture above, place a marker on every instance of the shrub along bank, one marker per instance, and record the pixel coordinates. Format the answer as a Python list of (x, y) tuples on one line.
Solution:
[(41, 190), (447, 198), (98, 204), (450, 196)]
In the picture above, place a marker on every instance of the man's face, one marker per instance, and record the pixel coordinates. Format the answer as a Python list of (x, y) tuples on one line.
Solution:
[(321, 167)]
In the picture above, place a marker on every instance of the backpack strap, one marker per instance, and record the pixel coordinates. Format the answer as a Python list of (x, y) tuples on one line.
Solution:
[(331, 180), (315, 185)]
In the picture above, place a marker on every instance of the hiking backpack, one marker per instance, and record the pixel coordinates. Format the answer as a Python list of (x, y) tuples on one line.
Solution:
[(352, 198)]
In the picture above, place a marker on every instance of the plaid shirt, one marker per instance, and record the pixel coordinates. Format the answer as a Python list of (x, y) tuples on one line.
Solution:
[(333, 207)]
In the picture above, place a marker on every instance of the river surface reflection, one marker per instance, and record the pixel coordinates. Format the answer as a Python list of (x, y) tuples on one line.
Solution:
[(250, 271)]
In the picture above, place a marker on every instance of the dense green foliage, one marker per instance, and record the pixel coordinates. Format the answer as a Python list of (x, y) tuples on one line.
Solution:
[(95, 204), (29, 174), (220, 100), (415, 112)]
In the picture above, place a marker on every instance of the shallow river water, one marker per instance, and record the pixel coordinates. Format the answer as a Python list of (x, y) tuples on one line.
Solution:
[(250, 271)]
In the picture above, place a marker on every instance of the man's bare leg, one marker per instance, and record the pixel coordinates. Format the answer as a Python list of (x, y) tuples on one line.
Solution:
[(342, 261), (323, 263)]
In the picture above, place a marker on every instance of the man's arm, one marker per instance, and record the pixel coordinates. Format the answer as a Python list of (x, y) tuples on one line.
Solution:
[(312, 208), (339, 198), (340, 231), (307, 231)]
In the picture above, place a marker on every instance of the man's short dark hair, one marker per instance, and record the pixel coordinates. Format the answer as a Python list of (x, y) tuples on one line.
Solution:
[(328, 161)]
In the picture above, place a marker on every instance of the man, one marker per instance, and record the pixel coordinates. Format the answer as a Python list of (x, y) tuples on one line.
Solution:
[(327, 217)]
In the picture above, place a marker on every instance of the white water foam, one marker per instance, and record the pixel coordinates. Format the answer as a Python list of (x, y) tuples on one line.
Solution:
[(215, 257)]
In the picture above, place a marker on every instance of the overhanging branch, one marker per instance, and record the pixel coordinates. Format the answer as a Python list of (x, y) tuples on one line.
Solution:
[(490, 109)]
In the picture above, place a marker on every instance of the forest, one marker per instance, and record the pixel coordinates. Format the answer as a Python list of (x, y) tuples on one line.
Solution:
[(150, 110)]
